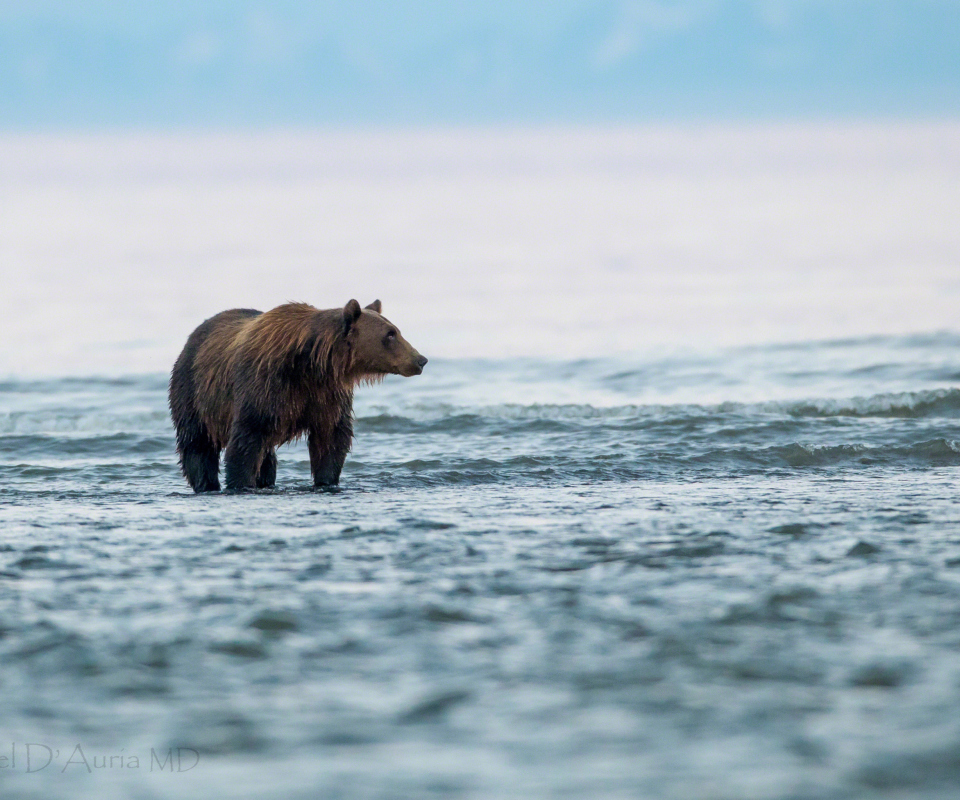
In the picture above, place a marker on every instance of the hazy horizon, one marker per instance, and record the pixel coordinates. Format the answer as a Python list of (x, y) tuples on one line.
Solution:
[(553, 243)]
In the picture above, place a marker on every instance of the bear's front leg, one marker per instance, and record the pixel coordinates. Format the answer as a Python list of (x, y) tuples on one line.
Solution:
[(267, 477), (328, 452), (246, 450)]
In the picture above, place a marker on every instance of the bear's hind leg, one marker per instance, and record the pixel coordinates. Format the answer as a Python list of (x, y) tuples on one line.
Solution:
[(199, 456), (200, 463), (267, 477)]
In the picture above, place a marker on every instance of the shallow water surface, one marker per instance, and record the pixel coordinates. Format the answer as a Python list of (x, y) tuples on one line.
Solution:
[(714, 575)]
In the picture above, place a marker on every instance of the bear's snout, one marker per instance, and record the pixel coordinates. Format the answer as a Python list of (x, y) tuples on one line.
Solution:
[(414, 367)]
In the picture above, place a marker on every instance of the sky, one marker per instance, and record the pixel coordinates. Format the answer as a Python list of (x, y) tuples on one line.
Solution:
[(249, 63)]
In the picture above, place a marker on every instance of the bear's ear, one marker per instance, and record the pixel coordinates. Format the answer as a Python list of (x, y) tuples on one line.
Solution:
[(351, 313), (375, 306)]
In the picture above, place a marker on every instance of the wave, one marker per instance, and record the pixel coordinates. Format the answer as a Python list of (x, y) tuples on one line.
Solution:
[(72, 446), (655, 464), (903, 405), (941, 403), (151, 382), (931, 452), (81, 422)]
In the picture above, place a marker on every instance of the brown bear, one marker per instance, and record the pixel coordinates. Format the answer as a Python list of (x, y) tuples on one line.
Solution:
[(249, 381)]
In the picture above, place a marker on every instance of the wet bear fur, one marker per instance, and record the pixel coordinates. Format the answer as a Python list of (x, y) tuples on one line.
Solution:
[(247, 382)]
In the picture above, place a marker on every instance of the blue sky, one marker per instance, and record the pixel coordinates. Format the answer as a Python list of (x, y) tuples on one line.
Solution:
[(164, 63)]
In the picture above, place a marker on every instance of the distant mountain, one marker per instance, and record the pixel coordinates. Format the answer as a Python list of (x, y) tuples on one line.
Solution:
[(165, 62)]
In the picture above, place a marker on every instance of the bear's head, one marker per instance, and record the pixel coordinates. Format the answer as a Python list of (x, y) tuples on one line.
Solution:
[(376, 344)]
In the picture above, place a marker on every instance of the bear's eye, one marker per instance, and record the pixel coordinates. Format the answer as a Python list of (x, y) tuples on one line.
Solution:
[(391, 335)]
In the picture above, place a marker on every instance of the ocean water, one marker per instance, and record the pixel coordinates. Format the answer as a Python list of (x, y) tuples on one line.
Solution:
[(531, 583), (671, 513)]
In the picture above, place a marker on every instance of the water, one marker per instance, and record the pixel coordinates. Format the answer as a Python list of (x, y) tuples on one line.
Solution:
[(589, 578)]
